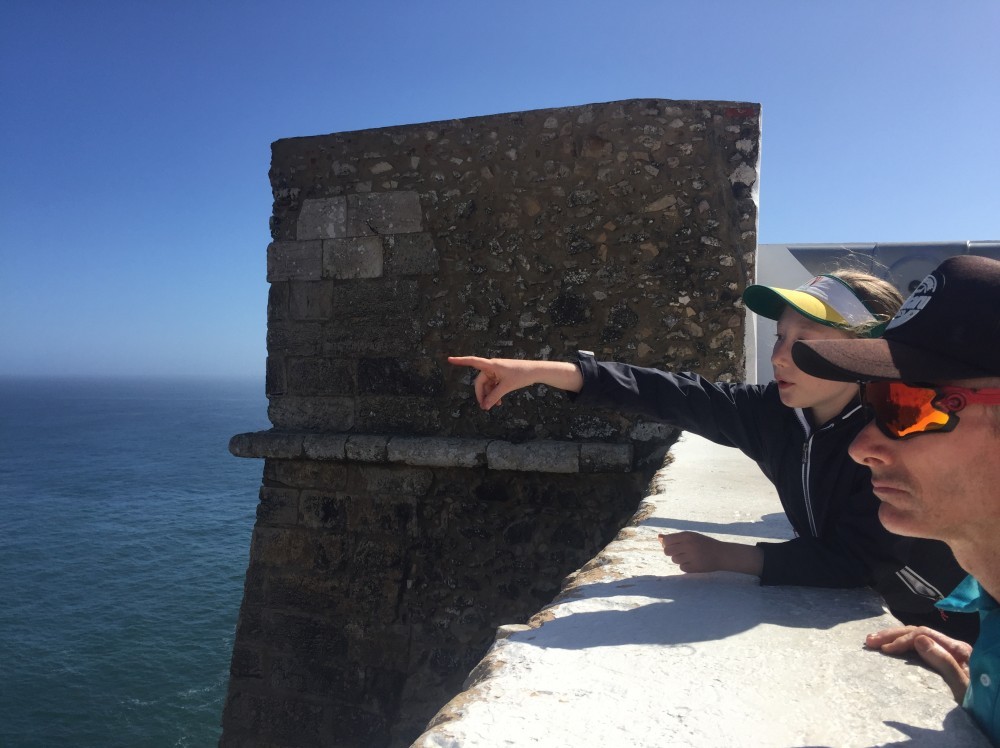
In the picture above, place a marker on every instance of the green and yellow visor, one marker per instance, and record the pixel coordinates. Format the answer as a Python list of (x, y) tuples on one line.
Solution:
[(825, 299)]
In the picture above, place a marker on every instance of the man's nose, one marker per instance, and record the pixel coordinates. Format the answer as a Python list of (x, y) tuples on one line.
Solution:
[(869, 446)]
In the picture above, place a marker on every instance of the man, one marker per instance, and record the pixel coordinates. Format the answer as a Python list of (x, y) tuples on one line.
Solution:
[(932, 384)]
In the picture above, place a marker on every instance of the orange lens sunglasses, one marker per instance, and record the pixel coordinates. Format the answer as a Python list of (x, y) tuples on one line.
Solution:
[(903, 410)]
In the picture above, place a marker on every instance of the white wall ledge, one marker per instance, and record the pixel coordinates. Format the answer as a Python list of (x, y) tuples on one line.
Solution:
[(635, 653)]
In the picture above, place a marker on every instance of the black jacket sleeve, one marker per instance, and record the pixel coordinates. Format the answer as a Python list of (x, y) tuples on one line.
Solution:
[(811, 562), (852, 546), (836, 559), (727, 414)]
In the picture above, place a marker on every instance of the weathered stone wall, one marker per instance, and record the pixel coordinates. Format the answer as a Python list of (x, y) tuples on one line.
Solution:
[(399, 525), (626, 228), (373, 590)]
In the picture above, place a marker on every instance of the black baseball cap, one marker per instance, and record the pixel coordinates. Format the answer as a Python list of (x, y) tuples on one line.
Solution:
[(949, 328)]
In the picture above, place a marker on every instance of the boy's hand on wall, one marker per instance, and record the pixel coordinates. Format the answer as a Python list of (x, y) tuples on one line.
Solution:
[(694, 552), (500, 376)]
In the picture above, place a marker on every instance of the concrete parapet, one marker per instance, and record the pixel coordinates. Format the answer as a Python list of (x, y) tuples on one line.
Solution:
[(634, 652)]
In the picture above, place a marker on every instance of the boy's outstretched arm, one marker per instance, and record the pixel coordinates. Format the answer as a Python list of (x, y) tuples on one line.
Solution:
[(500, 376)]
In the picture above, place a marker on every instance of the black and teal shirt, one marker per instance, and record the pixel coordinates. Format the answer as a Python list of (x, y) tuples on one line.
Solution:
[(969, 598)]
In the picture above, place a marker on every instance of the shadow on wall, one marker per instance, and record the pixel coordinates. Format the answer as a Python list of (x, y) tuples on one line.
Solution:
[(660, 611), (921, 737), (774, 526)]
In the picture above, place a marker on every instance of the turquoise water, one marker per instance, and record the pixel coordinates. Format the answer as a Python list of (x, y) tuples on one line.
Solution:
[(124, 536)]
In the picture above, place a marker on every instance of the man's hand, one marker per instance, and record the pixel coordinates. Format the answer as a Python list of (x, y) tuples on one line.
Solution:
[(694, 552), (500, 376), (949, 657)]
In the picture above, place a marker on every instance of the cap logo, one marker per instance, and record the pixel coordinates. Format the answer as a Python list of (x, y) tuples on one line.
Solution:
[(918, 300)]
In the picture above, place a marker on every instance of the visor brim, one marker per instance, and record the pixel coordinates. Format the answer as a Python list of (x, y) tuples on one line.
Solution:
[(771, 302)]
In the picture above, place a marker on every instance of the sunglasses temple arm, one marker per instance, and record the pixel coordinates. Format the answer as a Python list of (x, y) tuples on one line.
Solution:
[(866, 409)]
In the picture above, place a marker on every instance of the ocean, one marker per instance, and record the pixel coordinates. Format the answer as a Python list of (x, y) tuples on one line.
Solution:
[(124, 538)]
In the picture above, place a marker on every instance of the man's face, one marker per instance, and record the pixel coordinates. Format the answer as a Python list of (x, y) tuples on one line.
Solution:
[(944, 486)]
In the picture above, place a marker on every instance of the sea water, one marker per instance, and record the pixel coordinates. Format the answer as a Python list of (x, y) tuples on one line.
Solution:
[(124, 537)]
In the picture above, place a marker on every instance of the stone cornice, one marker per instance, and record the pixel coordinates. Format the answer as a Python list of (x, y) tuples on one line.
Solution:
[(542, 456)]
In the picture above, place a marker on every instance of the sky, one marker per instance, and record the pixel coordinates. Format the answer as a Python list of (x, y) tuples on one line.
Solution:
[(135, 135)]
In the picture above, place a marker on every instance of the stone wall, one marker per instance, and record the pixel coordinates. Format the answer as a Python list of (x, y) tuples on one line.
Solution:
[(399, 525), (373, 589)]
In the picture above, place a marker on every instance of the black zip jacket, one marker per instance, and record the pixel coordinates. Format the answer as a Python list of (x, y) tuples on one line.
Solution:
[(827, 496)]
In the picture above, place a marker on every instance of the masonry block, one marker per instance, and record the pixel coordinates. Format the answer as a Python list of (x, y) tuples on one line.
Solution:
[(296, 339), (324, 218), (304, 474), (359, 257), (294, 261), (247, 663), (386, 298), (367, 447), (383, 531), (605, 458), (280, 445), (275, 546), (393, 479), (310, 300), (320, 376), (312, 413), (410, 254), (278, 506), (297, 590), (274, 375), (544, 457), (380, 213), (368, 335), (325, 446), (441, 452), (395, 376), (274, 720), (398, 415), (324, 509), (277, 301)]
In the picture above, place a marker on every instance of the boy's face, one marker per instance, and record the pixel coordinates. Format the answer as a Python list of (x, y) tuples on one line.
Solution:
[(944, 486), (796, 388)]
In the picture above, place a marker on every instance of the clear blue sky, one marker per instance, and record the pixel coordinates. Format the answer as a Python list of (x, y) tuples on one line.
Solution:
[(135, 134)]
